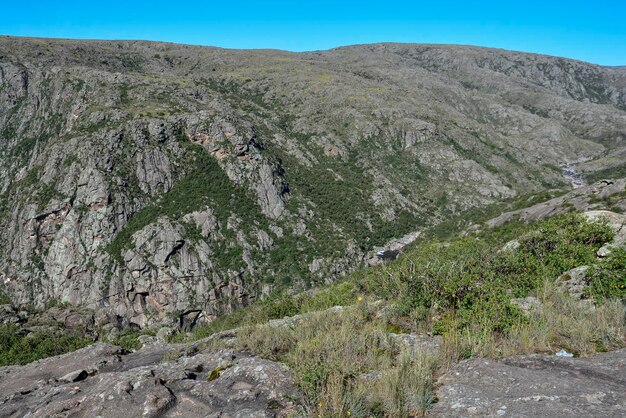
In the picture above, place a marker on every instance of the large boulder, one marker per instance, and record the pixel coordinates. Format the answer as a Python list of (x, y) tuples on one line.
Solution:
[(102, 380), (535, 386), (574, 281), (616, 221)]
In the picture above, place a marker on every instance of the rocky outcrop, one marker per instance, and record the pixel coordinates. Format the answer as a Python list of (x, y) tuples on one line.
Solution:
[(582, 199), (533, 386), (617, 222), (527, 304), (574, 281), (103, 380)]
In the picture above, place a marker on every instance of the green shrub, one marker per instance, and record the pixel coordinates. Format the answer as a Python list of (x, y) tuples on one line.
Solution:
[(474, 279), (17, 348), (4, 298), (607, 280)]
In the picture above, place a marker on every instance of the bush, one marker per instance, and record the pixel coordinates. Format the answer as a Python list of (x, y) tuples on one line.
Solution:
[(607, 280), (471, 277), (17, 348)]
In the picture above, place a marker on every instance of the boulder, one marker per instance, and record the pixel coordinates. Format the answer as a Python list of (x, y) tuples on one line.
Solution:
[(163, 334), (535, 386), (605, 251), (510, 246), (574, 281), (418, 343), (102, 380), (527, 304)]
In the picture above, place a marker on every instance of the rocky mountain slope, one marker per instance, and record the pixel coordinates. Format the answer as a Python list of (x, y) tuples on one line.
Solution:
[(151, 180), (477, 325)]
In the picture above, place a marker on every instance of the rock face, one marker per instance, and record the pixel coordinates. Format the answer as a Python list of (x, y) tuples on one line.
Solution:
[(616, 221), (101, 380), (535, 386), (150, 180), (574, 281), (583, 199)]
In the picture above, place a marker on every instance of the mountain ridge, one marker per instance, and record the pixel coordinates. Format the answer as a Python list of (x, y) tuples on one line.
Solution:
[(153, 179), (279, 50)]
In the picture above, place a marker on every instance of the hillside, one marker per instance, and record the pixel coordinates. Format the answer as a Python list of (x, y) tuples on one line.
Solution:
[(152, 180), (451, 328)]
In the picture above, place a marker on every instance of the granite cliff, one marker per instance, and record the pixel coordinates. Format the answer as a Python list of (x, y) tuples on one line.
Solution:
[(151, 180)]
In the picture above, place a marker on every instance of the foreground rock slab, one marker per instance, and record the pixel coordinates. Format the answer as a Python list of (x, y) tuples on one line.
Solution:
[(535, 386), (101, 380)]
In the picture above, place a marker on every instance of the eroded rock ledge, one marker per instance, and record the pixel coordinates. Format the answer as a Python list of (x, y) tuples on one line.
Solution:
[(535, 386), (103, 380)]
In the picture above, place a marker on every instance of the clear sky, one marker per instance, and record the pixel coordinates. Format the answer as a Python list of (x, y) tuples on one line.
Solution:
[(592, 30)]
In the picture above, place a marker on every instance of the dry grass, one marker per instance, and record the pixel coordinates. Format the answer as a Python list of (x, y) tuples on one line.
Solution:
[(346, 364), (338, 357), (563, 322), (560, 322)]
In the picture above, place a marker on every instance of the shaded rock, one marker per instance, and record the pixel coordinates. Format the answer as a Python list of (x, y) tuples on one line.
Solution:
[(527, 304), (419, 343), (535, 386), (574, 281), (187, 320), (222, 383), (75, 376)]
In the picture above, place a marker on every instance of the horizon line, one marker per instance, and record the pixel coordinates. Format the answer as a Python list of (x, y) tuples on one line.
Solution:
[(55, 38)]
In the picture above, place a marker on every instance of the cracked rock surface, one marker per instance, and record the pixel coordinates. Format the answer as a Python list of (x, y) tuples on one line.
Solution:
[(101, 380), (535, 386)]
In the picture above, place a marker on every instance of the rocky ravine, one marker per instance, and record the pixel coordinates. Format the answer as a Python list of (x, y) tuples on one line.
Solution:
[(150, 180)]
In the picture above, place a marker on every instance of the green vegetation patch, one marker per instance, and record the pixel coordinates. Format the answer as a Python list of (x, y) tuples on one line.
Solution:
[(341, 192), (4, 297), (607, 279), (19, 348), (205, 184), (470, 280), (608, 173)]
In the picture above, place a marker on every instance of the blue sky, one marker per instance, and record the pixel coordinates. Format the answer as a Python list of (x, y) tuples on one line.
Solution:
[(593, 31)]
